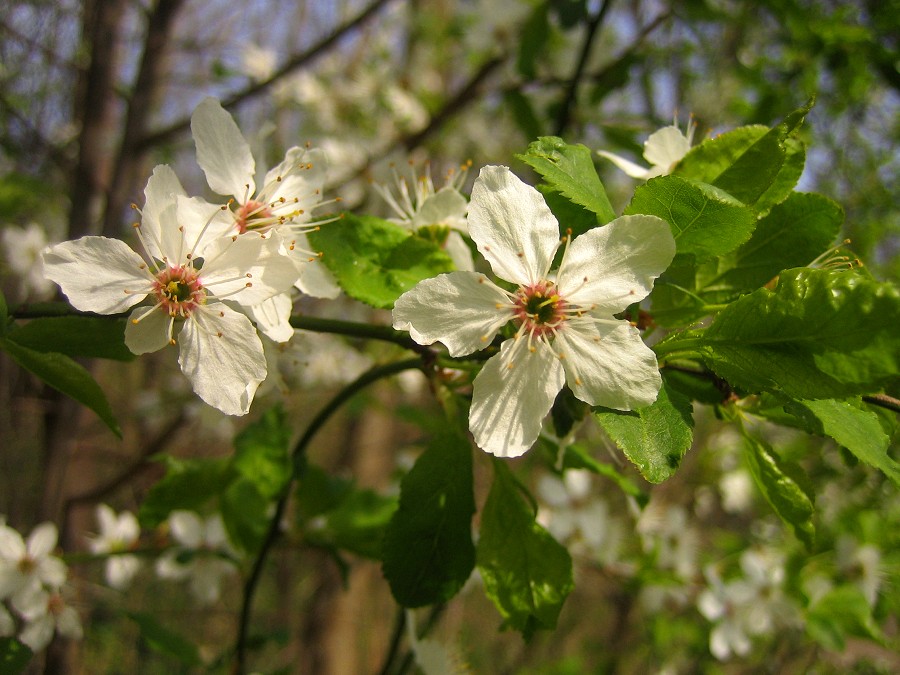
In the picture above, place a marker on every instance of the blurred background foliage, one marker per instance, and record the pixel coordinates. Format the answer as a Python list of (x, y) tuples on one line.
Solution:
[(93, 94)]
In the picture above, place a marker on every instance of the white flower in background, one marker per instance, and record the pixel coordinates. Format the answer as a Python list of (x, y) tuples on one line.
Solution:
[(258, 62), (29, 565), (314, 360), (46, 613), (566, 329), (203, 554), (663, 149), (432, 657), (666, 532), (751, 605), (22, 248), (862, 565), (576, 517), (418, 204), (7, 624), (118, 533), (286, 200), (737, 490), (189, 269)]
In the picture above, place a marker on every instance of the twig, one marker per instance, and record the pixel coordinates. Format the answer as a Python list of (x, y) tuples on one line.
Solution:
[(297, 456), (291, 65)]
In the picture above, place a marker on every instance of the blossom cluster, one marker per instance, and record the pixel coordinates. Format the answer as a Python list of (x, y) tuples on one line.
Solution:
[(32, 602), (208, 272)]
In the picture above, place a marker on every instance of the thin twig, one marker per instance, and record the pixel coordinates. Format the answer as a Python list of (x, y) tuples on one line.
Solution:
[(256, 88), (297, 455)]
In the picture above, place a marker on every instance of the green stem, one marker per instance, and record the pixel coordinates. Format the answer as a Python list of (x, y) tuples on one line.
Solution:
[(297, 454), (353, 329)]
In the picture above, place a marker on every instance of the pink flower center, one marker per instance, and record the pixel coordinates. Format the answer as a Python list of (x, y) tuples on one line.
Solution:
[(250, 212), (539, 308), (179, 290)]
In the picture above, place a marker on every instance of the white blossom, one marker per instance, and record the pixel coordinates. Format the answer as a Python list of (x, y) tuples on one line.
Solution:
[(566, 331), (664, 148), (189, 269), (290, 191), (418, 204), (28, 565), (203, 555), (22, 247), (118, 533), (45, 613)]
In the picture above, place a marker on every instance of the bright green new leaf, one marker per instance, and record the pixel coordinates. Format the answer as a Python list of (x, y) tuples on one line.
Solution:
[(709, 159), (76, 336), (793, 234), (569, 170), (781, 489), (655, 438), (164, 641), (842, 612), (706, 222), (188, 485), (376, 261), (262, 453), (856, 428), (428, 551), (526, 572), (64, 375), (819, 334)]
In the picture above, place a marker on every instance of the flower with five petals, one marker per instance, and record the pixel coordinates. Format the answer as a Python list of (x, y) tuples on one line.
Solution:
[(566, 329)]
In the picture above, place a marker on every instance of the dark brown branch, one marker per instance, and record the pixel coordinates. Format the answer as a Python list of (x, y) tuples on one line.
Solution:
[(93, 112), (126, 177), (571, 94), (256, 88)]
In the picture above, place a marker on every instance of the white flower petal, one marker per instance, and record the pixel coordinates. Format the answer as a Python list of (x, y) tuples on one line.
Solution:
[(629, 167), (512, 394), (187, 528), (222, 356), (12, 546), (610, 267), (248, 269), (202, 223), (512, 226), (608, 365), (159, 222), (94, 273), (445, 207), (315, 279), (665, 147), (120, 570), (459, 252), (458, 309), (42, 540), (222, 152), (37, 634), (147, 330), (68, 624), (273, 317)]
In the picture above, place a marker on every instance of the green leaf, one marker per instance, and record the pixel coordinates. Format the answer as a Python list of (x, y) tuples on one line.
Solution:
[(428, 550), (14, 656), (245, 514), (569, 170), (76, 336), (188, 485), (706, 222), (855, 428), (655, 438), (793, 234), (527, 574), (709, 159), (376, 261), (780, 489), (65, 375), (757, 169), (819, 334), (164, 641), (357, 524), (842, 611), (570, 216), (262, 453)]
